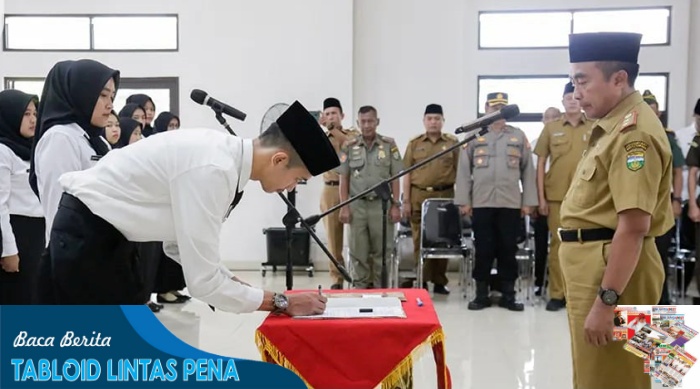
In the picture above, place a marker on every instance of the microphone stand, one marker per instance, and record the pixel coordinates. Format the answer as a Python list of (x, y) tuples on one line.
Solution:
[(218, 110), (289, 220), (382, 189)]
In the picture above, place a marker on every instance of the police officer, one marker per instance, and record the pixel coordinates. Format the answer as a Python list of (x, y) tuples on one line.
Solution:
[(332, 118), (663, 243), (539, 222), (490, 173), (365, 161), (617, 203), (434, 180), (693, 162), (561, 143)]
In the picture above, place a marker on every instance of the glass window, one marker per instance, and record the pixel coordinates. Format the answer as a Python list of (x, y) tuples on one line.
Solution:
[(656, 83), (47, 33), (33, 87), (161, 98), (153, 33), (524, 29), (653, 24)]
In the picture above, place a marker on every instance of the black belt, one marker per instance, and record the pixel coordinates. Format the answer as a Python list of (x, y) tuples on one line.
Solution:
[(439, 188), (332, 183), (586, 235)]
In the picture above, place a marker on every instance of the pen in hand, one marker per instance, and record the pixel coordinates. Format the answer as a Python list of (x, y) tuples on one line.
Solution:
[(319, 291)]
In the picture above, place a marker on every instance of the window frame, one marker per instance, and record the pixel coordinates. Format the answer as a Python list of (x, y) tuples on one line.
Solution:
[(92, 48), (571, 25), (537, 117), (170, 83)]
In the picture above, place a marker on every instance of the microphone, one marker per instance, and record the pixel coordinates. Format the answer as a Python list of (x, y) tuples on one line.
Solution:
[(507, 112), (201, 97)]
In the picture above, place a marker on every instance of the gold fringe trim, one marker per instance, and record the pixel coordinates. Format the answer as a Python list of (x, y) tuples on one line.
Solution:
[(396, 379), (266, 347), (402, 374)]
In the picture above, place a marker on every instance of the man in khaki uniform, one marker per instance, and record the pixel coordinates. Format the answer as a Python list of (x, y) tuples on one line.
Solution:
[(663, 243), (489, 177), (365, 161), (618, 202), (561, 143), (332, 117), (434, 180)]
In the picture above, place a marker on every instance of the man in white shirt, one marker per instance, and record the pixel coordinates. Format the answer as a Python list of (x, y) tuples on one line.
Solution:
[(176, 188)]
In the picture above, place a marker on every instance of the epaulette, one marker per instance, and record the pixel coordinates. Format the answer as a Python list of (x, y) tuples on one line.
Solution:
[(387, 139), (450, 137), (416, 137), (630, 120)]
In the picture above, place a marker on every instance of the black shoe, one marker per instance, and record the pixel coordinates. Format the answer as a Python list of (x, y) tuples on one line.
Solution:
[(154, 307), (508, 300), (482, 299), (440, 289), (337, 286), (555, 304)]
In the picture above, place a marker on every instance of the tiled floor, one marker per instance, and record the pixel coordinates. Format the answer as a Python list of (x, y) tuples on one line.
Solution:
[(493, 348)]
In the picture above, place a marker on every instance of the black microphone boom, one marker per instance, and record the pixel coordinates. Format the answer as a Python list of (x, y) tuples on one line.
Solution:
[(201, 97), (507, 112)]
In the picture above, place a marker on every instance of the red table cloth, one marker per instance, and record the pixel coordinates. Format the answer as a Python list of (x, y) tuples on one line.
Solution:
[(355, 353)]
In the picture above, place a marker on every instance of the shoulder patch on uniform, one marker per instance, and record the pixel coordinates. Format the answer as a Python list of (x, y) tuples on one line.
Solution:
[(629, 120), (636, 145), (635, 160)]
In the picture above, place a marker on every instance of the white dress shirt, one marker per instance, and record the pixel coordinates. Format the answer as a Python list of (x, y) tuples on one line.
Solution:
[(16, 196), (176, 187), (63, 148)]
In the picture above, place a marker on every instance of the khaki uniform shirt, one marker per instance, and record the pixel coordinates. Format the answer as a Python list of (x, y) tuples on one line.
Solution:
[(492, 169), (627, 166), (437, 173), (332, 175), (368, 164), (563, 143)]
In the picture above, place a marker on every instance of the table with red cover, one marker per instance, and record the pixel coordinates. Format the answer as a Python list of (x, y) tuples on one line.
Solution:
[(356, 353)]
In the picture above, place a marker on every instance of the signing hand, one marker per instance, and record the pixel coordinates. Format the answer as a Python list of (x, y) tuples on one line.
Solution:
[(302, 304), (10, 264), (598, 327)]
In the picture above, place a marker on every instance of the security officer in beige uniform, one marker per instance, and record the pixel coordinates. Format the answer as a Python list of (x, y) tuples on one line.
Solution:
[(618, 202), (489, 176), (562, 143), (332, 118), (434, 180), (365, 161)]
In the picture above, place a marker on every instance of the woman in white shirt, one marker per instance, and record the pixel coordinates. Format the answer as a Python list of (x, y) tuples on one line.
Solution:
[(76, 104), (21, 216)]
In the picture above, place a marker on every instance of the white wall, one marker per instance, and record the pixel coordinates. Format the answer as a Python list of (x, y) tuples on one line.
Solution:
[(397, 55)]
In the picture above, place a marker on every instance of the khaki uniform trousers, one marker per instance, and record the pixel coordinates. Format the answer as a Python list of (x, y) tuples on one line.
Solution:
[(555, 278), (583, 264), (334, 229), (366, 242), (434, 269)]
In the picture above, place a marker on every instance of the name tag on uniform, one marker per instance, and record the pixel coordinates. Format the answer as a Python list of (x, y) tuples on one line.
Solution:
[(558, 134), (95, 157)]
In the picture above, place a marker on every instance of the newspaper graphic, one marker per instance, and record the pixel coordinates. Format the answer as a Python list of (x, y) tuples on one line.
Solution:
[(627, 321), (620, 324), (682, 333), (645, 340), (658, 356), (674, 366)]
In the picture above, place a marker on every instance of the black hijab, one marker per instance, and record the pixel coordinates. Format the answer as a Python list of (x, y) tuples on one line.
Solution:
[(141, 100), (163, 120), (128, 125), (70, 93), (13, 104)]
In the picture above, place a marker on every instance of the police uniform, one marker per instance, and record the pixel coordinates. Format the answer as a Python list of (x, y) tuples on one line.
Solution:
[(331, 197), (434, 180), (489, 177), (663, 243), (627, 166), (366, 165), (153, 191), (563, 143)]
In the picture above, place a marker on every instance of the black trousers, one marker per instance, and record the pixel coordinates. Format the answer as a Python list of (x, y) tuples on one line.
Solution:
[(663, 244), (160, 273), (495, 237), (541, 229), (20, 288), (88, 262)]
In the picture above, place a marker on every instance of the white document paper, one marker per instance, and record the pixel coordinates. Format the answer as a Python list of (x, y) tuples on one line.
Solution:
[(360, 307)]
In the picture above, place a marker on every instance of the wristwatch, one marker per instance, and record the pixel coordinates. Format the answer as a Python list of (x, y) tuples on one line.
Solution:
[(608, 296), (678, 200), (280, 302)]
